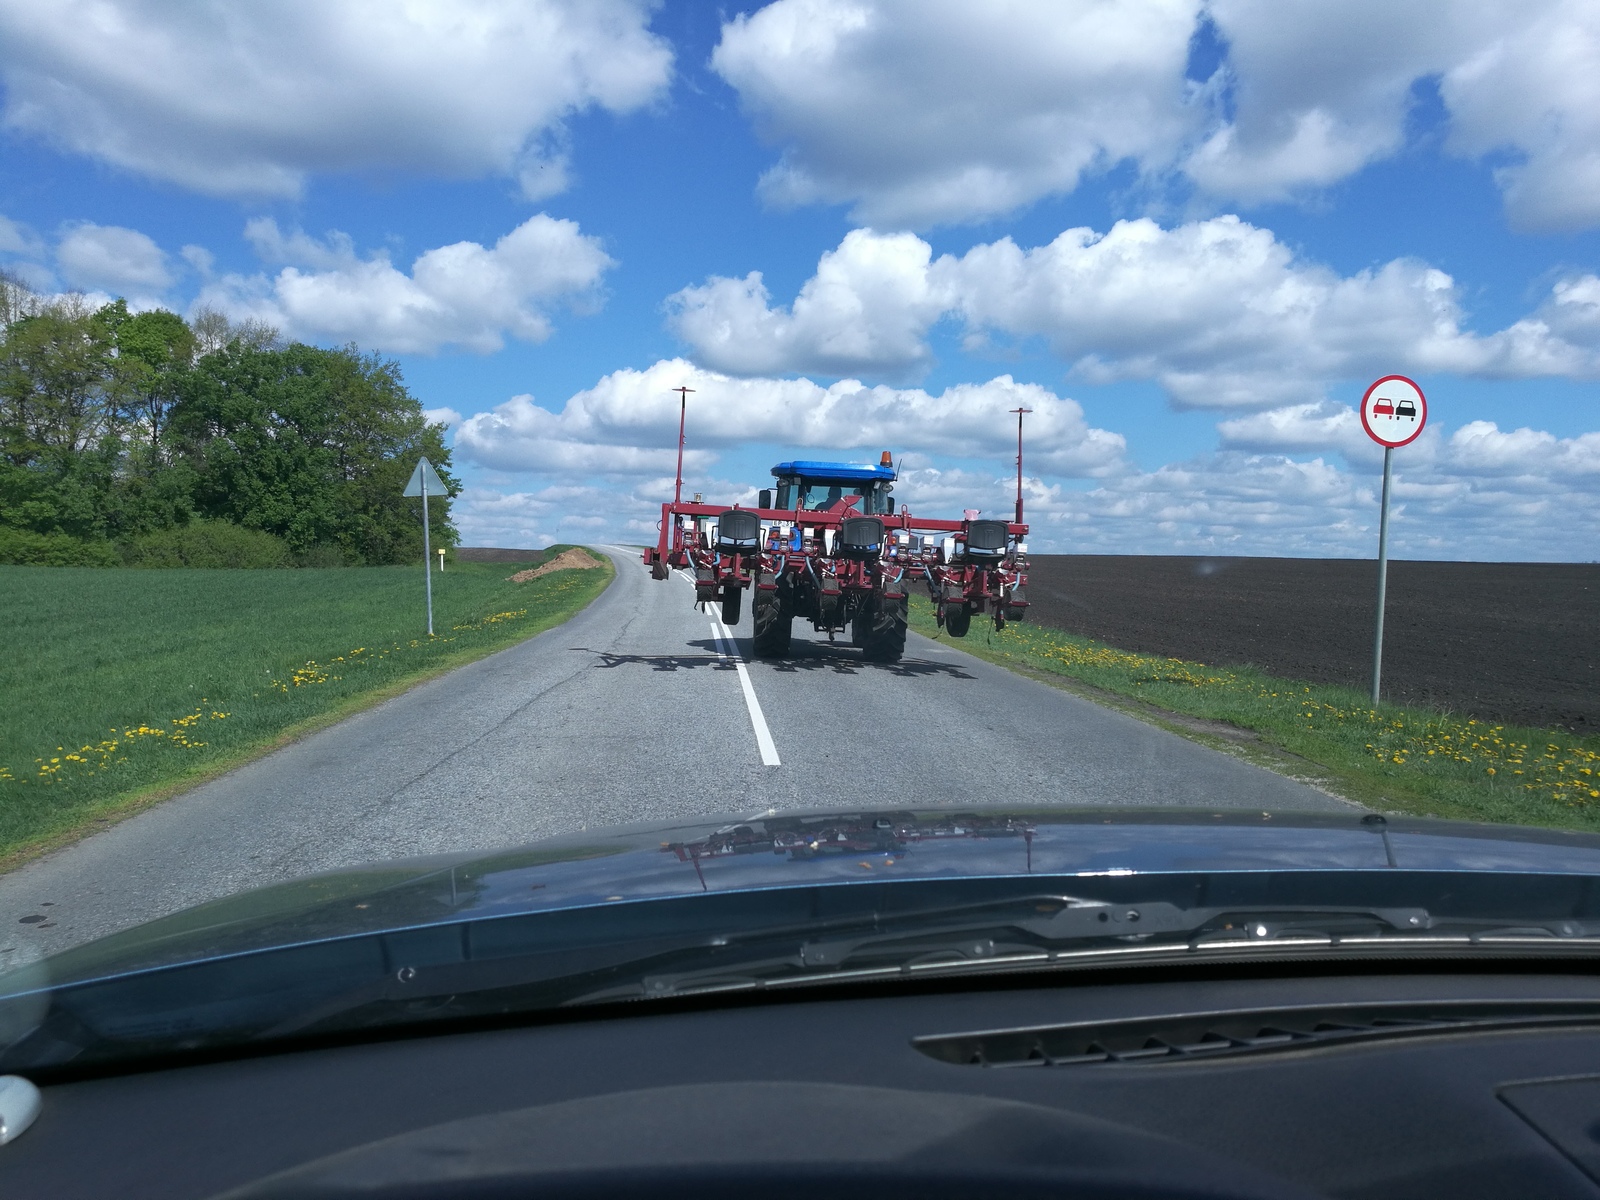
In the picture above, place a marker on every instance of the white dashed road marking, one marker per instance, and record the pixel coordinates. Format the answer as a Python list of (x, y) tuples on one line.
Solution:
[(725, 647)]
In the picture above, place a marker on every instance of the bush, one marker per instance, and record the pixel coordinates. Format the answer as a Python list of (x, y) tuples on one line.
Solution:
[(323, 554), (22, 547), (207, 544)]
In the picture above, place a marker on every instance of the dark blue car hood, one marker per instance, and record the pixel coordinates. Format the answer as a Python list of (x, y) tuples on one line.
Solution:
[(639, 864)]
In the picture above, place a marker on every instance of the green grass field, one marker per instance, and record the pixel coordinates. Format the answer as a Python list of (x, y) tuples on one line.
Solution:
[(1401, 760), (119, 686)]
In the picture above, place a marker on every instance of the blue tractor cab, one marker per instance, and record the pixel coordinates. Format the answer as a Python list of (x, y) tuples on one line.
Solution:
[(823, 486)]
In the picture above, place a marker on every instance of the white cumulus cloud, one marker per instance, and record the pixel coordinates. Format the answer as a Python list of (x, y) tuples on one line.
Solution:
[(1322, 88), (1535, 90), (923, 111), (578, 511), (628, 423), (464, 294), (1219, 312), (1532, 455), (1226, 503), (868, 308), (249, 99), (519, 435), (17, 238), (1301, 429), (1479, 449), (1474, 493), (112, 258)]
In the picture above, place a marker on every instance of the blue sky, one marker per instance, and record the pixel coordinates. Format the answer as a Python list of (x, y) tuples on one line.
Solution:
[(550, 214)]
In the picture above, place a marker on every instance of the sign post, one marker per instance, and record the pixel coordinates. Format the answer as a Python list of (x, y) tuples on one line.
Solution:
[(1393, 412), (425, 482)]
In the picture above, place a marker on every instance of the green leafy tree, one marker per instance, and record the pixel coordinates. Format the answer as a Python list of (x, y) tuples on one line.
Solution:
[(118, 425), (153, 350), (60, 442), (17, 299), (311, 445), (54, 384)]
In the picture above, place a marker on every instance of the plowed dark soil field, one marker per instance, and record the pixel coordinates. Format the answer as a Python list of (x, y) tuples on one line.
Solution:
[(496, 554), (1510, 642)]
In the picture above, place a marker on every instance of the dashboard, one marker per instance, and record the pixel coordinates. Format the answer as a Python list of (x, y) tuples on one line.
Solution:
[(1450, 1082)]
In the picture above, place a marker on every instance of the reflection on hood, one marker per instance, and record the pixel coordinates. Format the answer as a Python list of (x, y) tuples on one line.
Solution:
[(663, 860)]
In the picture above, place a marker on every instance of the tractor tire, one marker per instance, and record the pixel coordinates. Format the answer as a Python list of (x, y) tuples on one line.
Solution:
[(884, 639), (731, 599), (773, 625), (957, 619)]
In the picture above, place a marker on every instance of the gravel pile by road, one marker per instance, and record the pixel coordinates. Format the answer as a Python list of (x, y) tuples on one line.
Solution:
[(567, 560)]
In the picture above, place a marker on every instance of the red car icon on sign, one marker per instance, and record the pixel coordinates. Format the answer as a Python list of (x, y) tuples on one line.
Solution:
[(1384, 407), (1406, 408)]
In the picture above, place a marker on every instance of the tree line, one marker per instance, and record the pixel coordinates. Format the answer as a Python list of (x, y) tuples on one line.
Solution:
[(124, 431)]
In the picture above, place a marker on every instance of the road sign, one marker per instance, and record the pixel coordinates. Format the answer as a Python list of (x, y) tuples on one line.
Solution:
[(425, 482), (1394, 411), (424, 475)]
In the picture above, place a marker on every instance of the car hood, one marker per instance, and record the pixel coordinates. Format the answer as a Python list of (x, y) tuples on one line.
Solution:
[(635, 864)]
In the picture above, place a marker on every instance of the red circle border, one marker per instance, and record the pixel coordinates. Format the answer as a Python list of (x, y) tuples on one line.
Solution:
[(1362, 411)]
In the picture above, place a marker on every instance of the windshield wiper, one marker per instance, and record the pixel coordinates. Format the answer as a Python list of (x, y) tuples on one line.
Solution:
[(1013, 933), (753, 941), (1079, 933), (910, 940)]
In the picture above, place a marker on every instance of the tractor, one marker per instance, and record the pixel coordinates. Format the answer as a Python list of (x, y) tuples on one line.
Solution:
[(826, 545)]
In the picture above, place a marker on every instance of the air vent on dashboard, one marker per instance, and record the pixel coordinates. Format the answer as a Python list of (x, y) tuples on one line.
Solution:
[(1169, 1038)]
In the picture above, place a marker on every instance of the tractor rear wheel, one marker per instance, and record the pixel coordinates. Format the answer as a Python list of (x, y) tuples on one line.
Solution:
[(957, 619), (884, 638), (773, 624), (732, 596)]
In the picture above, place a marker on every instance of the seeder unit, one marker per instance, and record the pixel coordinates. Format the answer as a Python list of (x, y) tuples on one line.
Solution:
[(827, 545)]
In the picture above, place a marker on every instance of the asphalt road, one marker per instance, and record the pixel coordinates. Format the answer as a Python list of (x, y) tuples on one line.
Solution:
[(639, 708)]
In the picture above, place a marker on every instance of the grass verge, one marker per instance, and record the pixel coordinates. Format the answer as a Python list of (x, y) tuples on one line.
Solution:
[(1398, 760), (124, 687)]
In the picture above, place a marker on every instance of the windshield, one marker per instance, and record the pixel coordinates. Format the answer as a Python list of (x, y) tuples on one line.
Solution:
[(563, 463), (825, 497)]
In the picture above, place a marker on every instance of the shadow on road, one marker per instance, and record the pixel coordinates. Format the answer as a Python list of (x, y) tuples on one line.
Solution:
[(803, 656), (660, 662), (847, 660)]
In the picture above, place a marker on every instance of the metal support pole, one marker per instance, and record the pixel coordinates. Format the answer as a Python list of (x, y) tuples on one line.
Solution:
[(683, 412), (427, 554), (1019, 412), (1383, 576)]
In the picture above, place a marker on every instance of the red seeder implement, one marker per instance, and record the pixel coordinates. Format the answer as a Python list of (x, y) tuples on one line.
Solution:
[(830, 548)]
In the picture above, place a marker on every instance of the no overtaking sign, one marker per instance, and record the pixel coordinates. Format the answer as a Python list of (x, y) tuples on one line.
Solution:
[(1394, 411)]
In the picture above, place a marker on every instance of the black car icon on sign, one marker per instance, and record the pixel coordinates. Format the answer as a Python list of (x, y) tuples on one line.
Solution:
[(1406, 408)]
